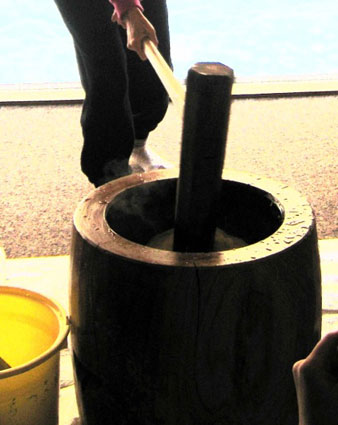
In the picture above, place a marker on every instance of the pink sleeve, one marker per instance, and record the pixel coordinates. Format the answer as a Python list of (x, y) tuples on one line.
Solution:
[(121, 6)]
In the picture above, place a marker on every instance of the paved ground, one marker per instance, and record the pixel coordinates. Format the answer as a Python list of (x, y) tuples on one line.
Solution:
[(292, 140)]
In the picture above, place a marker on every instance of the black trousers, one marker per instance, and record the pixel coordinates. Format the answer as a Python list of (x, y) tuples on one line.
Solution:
[(124, 97)]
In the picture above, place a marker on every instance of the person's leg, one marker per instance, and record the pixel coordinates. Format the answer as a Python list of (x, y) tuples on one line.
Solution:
[(148, 98), (106, 119)]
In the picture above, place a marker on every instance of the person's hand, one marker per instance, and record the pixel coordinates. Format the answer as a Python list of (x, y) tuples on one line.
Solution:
[(138, 28), (316, 381)]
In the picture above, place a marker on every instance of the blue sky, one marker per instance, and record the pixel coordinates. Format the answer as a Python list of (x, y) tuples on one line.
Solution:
[(255, 38)]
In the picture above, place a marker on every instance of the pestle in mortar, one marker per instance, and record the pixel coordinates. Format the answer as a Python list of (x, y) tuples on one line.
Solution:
[(205, 126), (206, 118)]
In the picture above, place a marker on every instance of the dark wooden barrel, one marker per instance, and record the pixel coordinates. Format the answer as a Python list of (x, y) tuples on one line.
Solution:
[(168, 338)]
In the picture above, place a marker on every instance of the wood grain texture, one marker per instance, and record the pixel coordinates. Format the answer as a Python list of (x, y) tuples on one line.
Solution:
[(174, 88), (179, 341)]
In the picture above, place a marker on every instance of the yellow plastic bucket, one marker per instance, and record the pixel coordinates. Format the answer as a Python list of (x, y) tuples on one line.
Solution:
[(33, 329)]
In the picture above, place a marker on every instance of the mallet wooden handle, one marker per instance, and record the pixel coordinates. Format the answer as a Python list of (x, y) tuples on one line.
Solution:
[(173, 87)]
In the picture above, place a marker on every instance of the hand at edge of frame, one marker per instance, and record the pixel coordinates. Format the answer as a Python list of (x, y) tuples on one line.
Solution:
[(316, 381)]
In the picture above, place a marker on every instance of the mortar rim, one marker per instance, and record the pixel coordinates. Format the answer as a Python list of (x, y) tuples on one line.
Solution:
[(90, 222)]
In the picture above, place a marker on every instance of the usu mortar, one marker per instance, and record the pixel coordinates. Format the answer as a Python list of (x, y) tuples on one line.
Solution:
[(193, 338)]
